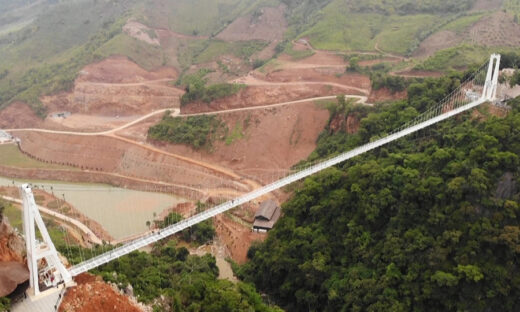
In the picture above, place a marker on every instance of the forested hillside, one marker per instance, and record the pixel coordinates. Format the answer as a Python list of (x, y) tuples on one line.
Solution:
[(410, 6), (169, 279), (430, 223)]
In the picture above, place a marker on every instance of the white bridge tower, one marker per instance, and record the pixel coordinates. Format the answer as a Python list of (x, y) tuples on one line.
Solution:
[(53, 271), (490, 87)]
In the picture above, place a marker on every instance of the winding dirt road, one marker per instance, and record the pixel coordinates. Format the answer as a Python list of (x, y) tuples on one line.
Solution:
[(129, 84), (252, 81), (176, 112), (85, 229)]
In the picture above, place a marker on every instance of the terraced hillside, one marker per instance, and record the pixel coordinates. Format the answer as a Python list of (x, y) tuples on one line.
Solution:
[(44, 44)]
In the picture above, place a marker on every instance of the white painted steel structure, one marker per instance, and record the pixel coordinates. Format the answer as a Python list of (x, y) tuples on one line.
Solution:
[(39, 250), (491, 85), (452, 105)]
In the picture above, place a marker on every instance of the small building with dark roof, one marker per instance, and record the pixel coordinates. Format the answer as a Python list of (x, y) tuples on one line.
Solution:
[(5, 137), (266, 216)]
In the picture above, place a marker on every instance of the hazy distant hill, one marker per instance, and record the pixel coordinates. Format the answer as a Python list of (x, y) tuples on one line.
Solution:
[(45, 43)]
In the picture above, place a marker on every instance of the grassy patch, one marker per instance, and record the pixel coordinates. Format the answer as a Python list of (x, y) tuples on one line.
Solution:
[(196, 131), (458, 57), (204, 51), (241, 49), (145, 55), (202, 17), (236, 133), (187, 79), (188, 51), (270, 65), (340, 29), (56, 232), (404, 7), (400, 34), (512, 6), (14, 215), (297, 55), (11, 156), (213, 50), (461, 24)]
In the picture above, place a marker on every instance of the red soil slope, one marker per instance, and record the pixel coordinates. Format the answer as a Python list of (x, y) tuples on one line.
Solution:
[(94, 295), (117, 86), (13, 270)]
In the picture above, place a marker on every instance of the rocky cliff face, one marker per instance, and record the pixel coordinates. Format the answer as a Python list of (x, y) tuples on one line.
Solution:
[(13, 270), (12, 245), (350, 123)]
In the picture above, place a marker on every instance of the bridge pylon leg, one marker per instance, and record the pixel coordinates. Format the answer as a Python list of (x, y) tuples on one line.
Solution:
[(51, 272), (491, 83)]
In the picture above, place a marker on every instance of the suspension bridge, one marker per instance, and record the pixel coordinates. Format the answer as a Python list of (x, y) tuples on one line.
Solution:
[(480, 88)]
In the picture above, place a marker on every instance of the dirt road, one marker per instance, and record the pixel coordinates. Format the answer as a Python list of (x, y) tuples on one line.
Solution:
[(91, 235), (107, 132), (252, 81), (130, 84), (176, 112)]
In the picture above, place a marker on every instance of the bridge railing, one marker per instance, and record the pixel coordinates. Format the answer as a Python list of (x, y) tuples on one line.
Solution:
[(453, 104), (186, 223)]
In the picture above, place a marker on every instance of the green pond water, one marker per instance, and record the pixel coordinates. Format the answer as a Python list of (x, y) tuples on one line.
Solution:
[(121, 212)]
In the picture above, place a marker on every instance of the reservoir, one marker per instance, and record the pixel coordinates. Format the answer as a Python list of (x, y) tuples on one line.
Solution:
[(121, 212)]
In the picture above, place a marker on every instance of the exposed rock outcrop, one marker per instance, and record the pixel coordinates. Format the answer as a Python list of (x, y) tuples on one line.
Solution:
[(506, 187), (13, 270)]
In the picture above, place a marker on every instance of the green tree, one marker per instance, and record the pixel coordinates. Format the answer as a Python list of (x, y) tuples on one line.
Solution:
[(430, 224), (3, 205), (185, 282), (5, 304), (354, 65)]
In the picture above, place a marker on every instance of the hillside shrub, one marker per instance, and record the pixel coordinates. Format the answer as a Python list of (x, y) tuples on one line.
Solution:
[(515, 79), (197, 131), (197, 90), (184, 282), (393, 83), (201, 233)]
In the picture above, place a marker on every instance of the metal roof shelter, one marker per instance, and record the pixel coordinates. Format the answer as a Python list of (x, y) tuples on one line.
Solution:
[(5, 137), (267, 215)]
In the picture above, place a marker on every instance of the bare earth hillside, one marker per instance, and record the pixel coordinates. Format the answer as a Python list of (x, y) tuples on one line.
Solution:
[(117, 87)]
